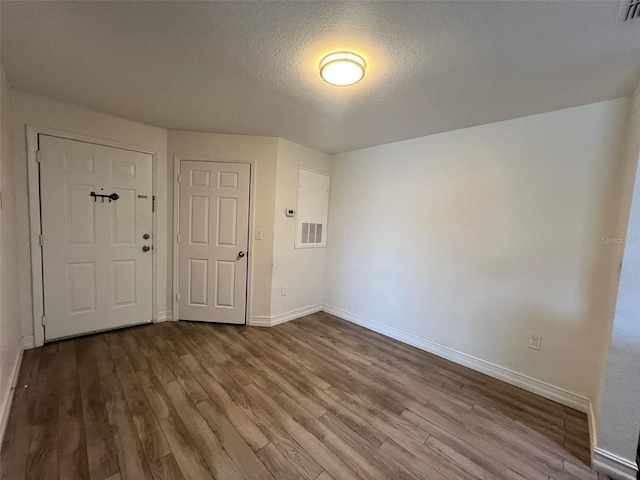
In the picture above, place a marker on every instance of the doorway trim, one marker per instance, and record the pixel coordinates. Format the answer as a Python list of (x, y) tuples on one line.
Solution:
[(35, 226), (176, 227)]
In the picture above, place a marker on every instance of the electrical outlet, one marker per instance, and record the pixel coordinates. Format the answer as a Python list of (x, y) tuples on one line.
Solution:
[(535, 343), (283, 291), (258, 234)]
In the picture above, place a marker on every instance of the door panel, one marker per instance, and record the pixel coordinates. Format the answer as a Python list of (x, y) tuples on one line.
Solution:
[(213, 230), (198, 281), (124, 217), (199, 220), (81, 280), (81, 231), (225, 283), (227, 221), (124, 282), (96, 276)]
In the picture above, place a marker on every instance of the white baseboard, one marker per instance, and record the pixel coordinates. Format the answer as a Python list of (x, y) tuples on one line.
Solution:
[(613, 465), (164, 317), (7, 401), (28, 342), (260, 321), (546, 390), (272, 321), (593, 429)]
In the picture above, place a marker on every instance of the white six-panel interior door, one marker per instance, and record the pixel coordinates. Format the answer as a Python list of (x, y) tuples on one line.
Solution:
[(97, 258), (213, 236)]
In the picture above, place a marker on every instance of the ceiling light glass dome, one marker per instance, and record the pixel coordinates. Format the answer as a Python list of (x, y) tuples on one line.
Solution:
[(342, 69)]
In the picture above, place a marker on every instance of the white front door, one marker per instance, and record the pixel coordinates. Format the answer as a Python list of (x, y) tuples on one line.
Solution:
[(213, 237), (97, 269)]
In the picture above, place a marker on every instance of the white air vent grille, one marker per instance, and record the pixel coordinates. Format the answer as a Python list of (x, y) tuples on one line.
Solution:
[(312, 215), (632, 10), (311, 234)]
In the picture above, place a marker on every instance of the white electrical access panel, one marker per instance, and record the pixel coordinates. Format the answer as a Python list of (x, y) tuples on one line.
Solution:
[(313, 209)]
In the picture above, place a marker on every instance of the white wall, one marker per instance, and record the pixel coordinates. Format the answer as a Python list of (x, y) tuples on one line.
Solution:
[(478, 238), (620, 416), (262, 153), (44, 112), (10, 328), (300, 270)]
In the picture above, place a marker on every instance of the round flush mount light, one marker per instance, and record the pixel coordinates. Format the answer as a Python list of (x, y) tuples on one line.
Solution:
[(342, 69)]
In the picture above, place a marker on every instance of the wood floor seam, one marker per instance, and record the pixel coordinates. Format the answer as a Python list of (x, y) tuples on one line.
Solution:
[(317, 398)]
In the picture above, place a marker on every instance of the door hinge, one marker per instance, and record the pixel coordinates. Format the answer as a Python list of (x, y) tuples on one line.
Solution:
[(38, 157), (153, 204), (43, 320), (41, 239), (177, 297), (178, 238), (179, 178)]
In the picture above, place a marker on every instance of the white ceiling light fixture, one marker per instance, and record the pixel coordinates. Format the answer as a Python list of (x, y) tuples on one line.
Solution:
[(342, 69)]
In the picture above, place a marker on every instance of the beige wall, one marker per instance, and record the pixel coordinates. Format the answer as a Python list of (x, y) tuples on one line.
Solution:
[(300, 270), (10, 327), (261, 153), (45, 112), (471, 241), (619, 425)]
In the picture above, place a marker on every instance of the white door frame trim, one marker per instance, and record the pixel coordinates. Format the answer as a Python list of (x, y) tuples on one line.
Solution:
[(33, 179), (176, 226)]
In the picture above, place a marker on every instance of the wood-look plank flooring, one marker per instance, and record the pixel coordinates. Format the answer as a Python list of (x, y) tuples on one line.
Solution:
[(316, 398)]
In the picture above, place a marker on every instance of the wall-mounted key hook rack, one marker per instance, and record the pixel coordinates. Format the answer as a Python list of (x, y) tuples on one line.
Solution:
[(112, 197)]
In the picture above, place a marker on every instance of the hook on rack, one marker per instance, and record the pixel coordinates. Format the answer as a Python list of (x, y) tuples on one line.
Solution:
[(112, 197)]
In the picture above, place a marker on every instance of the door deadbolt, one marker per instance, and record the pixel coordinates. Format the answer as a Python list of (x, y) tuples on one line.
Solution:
[(146, 248), (145, 236)]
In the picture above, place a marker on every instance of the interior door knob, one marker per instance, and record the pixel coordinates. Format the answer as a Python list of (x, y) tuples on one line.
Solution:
[(146, 248), (145, 236), (241, 254)]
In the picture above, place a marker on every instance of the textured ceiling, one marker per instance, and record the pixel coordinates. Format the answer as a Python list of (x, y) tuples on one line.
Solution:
[(252, 67)]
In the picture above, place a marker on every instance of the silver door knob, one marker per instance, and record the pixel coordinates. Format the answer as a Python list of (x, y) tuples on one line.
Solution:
[(241, 254), (146, 248)]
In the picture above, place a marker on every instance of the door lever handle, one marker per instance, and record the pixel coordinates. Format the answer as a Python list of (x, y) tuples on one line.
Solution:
[(241, 254)]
